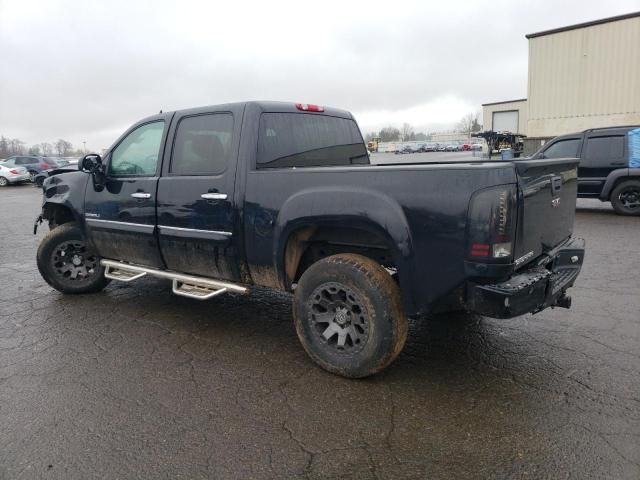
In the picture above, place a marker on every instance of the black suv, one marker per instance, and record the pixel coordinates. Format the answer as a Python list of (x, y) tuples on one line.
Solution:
[(604, 171)]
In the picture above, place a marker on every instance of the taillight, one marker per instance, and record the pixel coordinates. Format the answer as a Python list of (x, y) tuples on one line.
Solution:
[(306, 107), (491, 217), (14, 171), (43, 165)]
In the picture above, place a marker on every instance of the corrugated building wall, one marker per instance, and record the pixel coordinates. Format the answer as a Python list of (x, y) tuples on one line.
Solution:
[(583, 78)]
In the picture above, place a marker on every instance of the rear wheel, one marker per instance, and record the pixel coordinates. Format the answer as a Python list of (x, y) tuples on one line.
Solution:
[(67, 264), (349, 316), (3, 182), (625, 198)]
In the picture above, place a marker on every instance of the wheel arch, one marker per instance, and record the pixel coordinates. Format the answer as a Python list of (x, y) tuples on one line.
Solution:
[(357, 221), (615, 178), (58, 214)]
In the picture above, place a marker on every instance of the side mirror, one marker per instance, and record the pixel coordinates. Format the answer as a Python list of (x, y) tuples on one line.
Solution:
[(90, 163)]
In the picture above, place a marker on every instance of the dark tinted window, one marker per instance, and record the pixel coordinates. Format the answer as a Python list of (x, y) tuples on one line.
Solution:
[(603, 149), (308, 140), (563, 149), (202, 144)]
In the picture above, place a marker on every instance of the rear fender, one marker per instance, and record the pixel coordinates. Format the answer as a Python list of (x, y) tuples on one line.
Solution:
[(357, 207), (614, 178)]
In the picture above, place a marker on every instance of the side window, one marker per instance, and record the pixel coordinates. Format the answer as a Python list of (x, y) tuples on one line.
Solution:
[(563, 149), (604, 149), (11, 162), (138, 153), (306, 140), (202, 145)]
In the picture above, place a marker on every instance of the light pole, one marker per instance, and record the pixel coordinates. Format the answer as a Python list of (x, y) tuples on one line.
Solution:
[(84, 147)]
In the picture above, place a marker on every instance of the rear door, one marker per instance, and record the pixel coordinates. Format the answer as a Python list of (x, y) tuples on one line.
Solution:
[(197, 212), (121, 218), (603, 152)]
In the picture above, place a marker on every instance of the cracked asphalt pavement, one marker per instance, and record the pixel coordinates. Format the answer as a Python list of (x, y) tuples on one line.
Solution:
[(135, 382)]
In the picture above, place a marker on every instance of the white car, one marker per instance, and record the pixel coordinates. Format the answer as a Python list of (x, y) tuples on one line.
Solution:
[(13, 175)]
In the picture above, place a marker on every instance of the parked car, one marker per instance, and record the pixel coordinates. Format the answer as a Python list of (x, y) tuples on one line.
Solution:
[(451, 148), (441, 148), (63, 167), (405, 149), (429, 147), (282, 195), (33, 164), (604, 171), (10, 175)]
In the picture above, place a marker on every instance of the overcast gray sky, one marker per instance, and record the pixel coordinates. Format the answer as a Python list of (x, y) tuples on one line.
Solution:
[(84, 71)]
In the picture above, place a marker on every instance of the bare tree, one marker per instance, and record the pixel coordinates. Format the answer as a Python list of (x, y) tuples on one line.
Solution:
[(34, 150), (389, 134), (469, 124), (46, 148), (370, 136), (16, 146), (4, 147), (63, 147), (407, 132)]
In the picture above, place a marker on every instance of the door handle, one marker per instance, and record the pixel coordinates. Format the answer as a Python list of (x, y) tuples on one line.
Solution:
[(214, 196), (141, 195)]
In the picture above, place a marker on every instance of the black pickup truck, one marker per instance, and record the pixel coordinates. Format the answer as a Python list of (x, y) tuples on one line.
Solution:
[(282, 195)]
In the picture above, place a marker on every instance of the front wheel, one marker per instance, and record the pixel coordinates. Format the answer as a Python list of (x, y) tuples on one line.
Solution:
[(625, 198), (3, 182), (349, 316), (67, 264)]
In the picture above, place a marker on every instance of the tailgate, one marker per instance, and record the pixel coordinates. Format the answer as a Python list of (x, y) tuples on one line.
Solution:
[(547, 206)]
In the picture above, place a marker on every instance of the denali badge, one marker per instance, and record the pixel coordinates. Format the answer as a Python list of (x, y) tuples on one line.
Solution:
[(524, 258), (555, 202)]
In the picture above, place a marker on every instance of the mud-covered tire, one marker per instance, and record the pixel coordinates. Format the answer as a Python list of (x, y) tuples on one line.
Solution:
[(349, 299), (66, 262), (625, 198)]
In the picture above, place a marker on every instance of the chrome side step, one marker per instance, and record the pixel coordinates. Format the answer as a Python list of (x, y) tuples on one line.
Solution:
[(200, 288)]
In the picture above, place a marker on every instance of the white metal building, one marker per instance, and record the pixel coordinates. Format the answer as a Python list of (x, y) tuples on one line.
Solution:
[(510, 116), (581, 76)]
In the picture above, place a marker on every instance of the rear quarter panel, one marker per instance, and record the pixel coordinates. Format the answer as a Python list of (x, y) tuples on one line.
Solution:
[(421, 209)]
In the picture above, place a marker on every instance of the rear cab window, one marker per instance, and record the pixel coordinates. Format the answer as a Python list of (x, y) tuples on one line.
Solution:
[(294, 140)]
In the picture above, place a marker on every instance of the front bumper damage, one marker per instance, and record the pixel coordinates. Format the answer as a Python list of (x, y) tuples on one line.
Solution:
[(532, 290)]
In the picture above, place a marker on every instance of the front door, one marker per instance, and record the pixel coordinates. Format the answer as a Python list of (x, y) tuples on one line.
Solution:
[(121, 218), (196, 208)]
